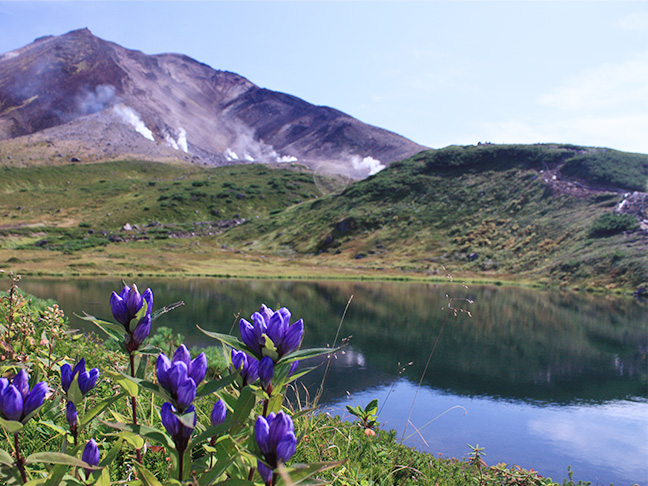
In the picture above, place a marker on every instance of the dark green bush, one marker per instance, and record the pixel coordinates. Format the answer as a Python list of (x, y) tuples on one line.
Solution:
[(610, 224)]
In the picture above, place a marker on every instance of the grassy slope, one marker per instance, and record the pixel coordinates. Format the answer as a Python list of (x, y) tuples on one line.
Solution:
[(440, 206), (432, 210)]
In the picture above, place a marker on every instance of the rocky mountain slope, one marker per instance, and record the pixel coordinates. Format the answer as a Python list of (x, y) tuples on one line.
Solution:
[(76, 96)]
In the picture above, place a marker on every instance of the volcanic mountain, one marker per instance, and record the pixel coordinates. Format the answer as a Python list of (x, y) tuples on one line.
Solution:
[(77, 97)]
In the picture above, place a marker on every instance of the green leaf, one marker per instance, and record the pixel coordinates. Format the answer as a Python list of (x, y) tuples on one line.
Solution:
[(5, 458), (300, 473), (56, 458), (307, 353), (155, 388), (147, 432), (115, 331), (187, 419), (133, 439), (215, 472), (274, 405), (100, 407), (372, 407), (244, 405), (127, 383), (147, 477), (231, 341), (12, 426), (215, 385)]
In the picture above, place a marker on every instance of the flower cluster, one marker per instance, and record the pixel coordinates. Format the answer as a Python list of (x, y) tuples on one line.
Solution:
[(269, 337), (276, 438), (127, 308), (17, 401), (86, 379), (179, 377), (271, 334)]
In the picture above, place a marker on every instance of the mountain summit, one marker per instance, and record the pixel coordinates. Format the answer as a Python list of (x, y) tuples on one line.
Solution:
[(76, 95)]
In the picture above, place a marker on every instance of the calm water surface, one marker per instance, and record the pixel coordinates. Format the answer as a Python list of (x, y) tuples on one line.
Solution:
[(540, 379)]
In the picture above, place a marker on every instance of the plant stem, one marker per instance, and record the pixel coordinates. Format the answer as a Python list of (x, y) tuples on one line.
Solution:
[(180, 464), (138, 452), (20, 461)]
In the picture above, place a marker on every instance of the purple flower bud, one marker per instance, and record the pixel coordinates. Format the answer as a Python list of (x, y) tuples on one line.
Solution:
[(182, 354), (21, 382), (186, 393), (219, 412), (162, 371), (88, 380), (266, 371), (35, 398), (292, 338), (11, 403), (262, 434), (198, 368), (133, 301), (71, 415), (266, 312), (248, 336), (265, 472), (169, 419), (179, 433), (252, 373), (119, 309), (66, 377), (286, 447), (293, 367), (177, 376), (277, 327), (91, 455), (142, 331), (239, 360), (4, 383)]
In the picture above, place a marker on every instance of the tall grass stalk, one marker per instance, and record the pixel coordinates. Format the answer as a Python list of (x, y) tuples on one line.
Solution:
[(320, 391)]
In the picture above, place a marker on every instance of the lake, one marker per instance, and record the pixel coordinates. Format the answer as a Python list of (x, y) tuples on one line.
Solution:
[(541, 379)]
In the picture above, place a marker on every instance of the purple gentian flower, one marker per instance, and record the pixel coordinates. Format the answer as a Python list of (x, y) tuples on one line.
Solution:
[(86, 379), (179, 432), (266, 372), (17, 401), (276, 438), (71, 415), (248, 366), (219, 412), (128, 303), (91, 455), (181, 375), (275, 326)]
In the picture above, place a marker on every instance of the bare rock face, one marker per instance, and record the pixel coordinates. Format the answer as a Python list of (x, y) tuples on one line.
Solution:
[(76, 95)]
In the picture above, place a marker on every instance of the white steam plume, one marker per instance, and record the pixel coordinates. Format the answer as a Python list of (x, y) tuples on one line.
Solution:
[(367, 164), (130, 116), (91, 101), (181, 143)]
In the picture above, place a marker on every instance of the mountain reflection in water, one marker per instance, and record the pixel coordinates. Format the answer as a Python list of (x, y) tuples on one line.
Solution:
[(548, 378)]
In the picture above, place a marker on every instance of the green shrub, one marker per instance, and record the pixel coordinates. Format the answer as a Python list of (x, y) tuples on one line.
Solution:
[(610, 224)]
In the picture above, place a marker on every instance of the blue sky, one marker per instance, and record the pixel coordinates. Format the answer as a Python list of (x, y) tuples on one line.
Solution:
[(437, 72)]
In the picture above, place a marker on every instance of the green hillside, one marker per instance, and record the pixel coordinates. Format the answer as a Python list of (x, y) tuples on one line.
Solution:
[(534, 213), (488, 210)]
